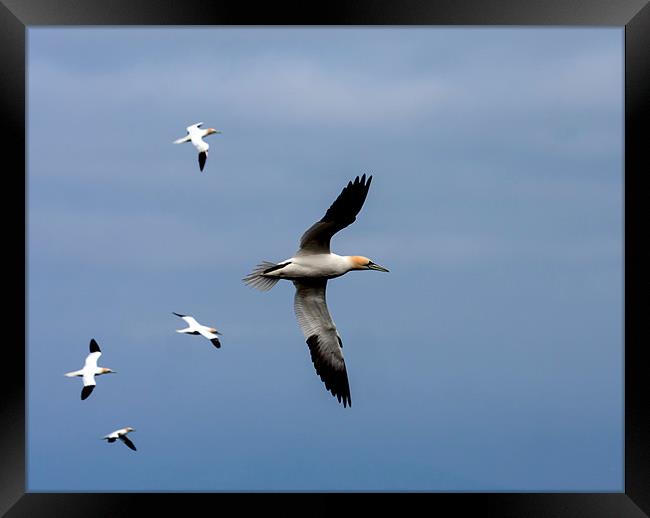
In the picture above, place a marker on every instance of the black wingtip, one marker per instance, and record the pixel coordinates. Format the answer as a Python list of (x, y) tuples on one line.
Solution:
[(178, 314), (86, 391), (336, 382), (216, 342), (347, 205), (94, 346), (128, 442), (363, 181), (202, 158)]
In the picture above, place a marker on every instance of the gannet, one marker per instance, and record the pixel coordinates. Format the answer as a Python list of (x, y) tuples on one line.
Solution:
[(195, 134), (90, 370), (309, 269), (194, 328), (121, 435)]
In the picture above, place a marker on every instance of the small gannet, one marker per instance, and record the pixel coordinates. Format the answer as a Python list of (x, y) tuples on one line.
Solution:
[(309, 270), (195, 134), (121, 435), (194, 328), (90, 370)]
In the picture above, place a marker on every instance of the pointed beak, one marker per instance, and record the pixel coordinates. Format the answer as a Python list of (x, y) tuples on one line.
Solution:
[(373, 266)]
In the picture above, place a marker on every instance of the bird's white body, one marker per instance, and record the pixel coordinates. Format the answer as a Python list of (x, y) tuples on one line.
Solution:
[(90, 370), (195, 135), (309, 269), (194, 328), (326, 266), (117, 433), (121, 435)]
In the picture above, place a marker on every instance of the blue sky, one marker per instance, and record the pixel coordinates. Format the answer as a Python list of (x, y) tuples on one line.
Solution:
[(490, 358)]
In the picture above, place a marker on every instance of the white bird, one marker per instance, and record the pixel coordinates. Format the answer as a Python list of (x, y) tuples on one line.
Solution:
[(90, 370), (121, 435), (196, 134), (194, 328), (310, 268)]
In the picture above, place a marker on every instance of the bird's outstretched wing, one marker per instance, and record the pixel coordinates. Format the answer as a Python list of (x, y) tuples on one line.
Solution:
[(128, 442), (182, 140), (194, 126), (91, 360), (191, 321), (322, 337), (343, 212)]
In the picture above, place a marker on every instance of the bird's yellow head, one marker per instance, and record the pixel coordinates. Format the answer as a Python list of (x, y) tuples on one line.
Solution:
[(360, 262), (212, 130), (104, 370)]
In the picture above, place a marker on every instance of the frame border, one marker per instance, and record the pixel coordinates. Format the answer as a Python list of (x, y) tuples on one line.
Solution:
[(634, 15)]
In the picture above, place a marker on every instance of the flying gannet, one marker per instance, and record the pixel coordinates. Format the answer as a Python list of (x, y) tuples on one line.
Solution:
[(196, 134), (90, 370), (194, 328), (310, 268), (121, 435)]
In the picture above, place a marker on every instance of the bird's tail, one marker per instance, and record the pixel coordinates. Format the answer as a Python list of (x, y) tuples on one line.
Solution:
[(256, 279), (182, 139), (72, 374)]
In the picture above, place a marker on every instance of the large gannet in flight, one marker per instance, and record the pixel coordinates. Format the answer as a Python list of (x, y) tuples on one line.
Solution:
[(196, 134), (194, 328), (121, 435), (90, 370), (309, 270)]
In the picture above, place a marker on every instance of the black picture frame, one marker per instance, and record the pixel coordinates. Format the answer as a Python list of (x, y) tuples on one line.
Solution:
[(634, 15)]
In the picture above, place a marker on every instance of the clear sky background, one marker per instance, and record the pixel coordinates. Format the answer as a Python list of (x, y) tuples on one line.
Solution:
[(490, 358)]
